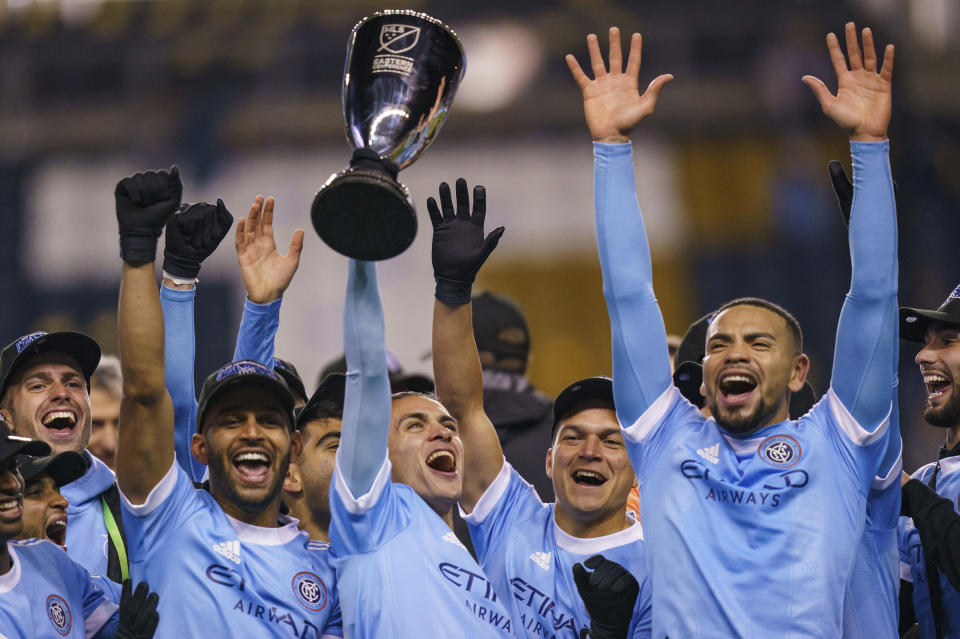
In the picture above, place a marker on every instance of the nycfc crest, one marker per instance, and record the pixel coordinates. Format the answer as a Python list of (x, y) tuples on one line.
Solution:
[(59, 613), (310, 591), (781, 451)]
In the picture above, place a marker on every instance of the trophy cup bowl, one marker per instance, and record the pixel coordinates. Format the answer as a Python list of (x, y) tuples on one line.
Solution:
[(402, 71)]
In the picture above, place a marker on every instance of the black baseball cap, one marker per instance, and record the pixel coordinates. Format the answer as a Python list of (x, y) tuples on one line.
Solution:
[(64, 468), (243, 372), (914, 321), (399, 380), (332, 388), (11, 444), (290, 375), (80, 347), (492, 313), (599, 387)]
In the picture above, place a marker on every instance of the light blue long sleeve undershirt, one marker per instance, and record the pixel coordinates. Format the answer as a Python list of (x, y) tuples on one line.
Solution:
[(179, 355), (367, 404), (863, 371), (258, 328)]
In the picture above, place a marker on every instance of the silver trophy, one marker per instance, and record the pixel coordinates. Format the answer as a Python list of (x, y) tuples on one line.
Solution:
[(402, 71)]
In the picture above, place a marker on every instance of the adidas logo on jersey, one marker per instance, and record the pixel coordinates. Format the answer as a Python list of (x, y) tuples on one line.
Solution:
[(711, 454), (229, 549), (542, 559), (451, 538)]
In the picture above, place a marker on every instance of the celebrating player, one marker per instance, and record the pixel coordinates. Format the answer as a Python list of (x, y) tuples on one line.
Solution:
[(529, 548), (755, 517), (936, 602), (41, 589), (402, 571), (226, 562), (306, 490)]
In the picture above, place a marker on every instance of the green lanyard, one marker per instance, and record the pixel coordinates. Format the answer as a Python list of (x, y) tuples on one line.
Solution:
[(114, 531)]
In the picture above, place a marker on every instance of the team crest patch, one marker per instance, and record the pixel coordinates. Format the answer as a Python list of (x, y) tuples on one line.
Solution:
[(59, 613), (310, 591), (781, 451)]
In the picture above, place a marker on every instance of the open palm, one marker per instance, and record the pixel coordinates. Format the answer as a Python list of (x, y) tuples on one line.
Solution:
[(612, 102), (862, 104), (266, 273)]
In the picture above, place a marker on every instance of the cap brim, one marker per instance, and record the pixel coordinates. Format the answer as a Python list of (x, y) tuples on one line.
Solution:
[(293, 381), (914, 322), (600, 388), (688, 377), (332, 387), (11, 445), (64, 468)]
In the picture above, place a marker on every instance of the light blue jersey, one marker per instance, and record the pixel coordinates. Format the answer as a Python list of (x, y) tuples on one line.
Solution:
[(870, 610), (530, 560), (87, 537), (45, 595), (913, 566), (401, 570), (219, 577), (764, 520), (754, 536)]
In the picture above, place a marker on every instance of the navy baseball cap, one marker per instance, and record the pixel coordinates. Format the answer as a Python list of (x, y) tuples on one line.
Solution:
[(64, 468), (80, 347), (914, 321), (243, 372), (331, 390), (599, 388), (11, 444), (289, 373)]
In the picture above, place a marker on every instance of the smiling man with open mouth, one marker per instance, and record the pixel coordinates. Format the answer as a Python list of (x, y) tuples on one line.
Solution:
[(44, 508)]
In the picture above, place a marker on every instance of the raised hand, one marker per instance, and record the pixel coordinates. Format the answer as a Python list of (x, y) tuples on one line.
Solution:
[(609, 593), (612, 102), (459, 246), (192, 236), (862, 104), (145, 201), (266, 273)]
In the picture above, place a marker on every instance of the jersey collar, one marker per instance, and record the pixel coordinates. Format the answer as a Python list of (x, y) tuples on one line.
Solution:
[(594, 545), (261, 536)]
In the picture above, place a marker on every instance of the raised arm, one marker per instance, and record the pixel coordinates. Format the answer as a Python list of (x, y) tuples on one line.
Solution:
[(366, 410), (145, 202), (459, 250), (190, 237), (266, 275), (864, 365), (613, 106)]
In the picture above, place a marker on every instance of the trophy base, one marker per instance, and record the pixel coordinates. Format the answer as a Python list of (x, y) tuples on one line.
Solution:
[(365, 215)]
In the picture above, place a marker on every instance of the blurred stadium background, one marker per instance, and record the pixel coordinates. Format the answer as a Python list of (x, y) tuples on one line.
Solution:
[(245, 96)]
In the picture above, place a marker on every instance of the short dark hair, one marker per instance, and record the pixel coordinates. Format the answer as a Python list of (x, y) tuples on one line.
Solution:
[(791, 321), (327, 408), (412, 393)]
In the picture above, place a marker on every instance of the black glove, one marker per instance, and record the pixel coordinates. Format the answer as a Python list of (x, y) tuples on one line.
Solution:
[(145, 201), (138, 612), (459, 248), (609, 594), (843, 189), (192, 235)]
